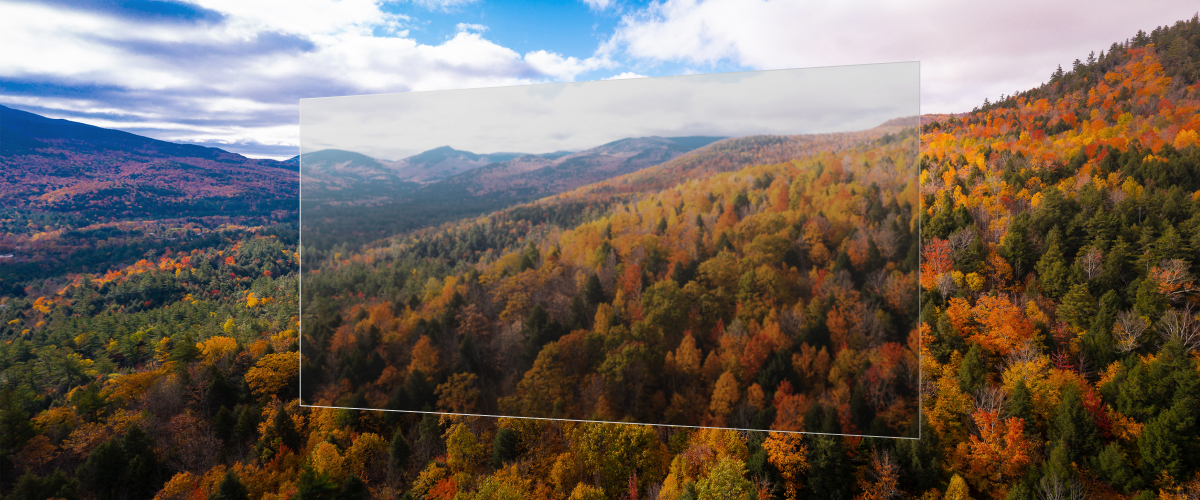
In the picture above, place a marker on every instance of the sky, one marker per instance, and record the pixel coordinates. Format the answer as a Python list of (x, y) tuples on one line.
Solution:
[(231, 73), (552, 117)]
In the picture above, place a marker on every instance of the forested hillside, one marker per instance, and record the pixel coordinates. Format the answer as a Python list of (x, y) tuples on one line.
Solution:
[(1056, 338), (667, 302)]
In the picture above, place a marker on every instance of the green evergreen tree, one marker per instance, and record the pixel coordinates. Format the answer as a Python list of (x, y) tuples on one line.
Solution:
[(829, 468), (1015, 247), (430, 429), (103, 470), (399, 451), (1168, 442), (1020, 405), (1074, 426), (948, 340), (1148, 302), (16, 428), (971, 258), (313, 485), (353, 488), (504, 448), (184, 350), (1101, 227), (972, 374), (920, 459), (282, 432), (231, 488), (142, 475), (247, 423), (1098, 344), (1078, 307), (593, 291), (1114, 468), (577, 315), (1057, 466), (1052, 268), (1170, 245), (32, 487)]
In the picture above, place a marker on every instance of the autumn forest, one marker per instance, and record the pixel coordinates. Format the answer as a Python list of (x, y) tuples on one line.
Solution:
[(1016, 286)]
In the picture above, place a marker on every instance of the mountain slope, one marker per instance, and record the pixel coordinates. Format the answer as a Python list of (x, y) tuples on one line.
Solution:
[(440, 163), (346, 176), (65, 166), (535, 176)]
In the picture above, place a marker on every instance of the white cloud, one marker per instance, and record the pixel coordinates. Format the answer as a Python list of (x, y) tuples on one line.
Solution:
[(238, 76), (471, 27), (442, 4), (565, 68), (574, 116), (599, 4), (968, 50), (625, 75), (239, 79)]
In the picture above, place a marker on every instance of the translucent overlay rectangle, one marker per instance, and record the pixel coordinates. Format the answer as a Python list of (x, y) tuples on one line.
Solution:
[(728, 250)]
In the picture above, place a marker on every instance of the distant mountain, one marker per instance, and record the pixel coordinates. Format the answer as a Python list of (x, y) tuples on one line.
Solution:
[(445, 174), (366, 203), (28, 134), (440, 163), (66, 166), (334, 175), (533, 176), (731, 154)]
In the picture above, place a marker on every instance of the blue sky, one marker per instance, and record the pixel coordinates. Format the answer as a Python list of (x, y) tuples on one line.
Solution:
[(230, 73)]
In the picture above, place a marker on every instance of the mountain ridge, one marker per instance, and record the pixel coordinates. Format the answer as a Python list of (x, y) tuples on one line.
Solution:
[(65, 166)]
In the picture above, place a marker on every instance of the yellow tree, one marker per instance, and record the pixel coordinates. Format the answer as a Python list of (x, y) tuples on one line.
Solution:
[(725, 395), (459, 394), (424, 357), (272, 373), (786, 451)]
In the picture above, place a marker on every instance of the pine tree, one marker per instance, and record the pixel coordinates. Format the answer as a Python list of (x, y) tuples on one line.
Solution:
[(313, 485), (1098, 344), (504, 448), (829, 468), (1052, 268), (102, 472), (1078, 307), (1148, 302), (32, 487), (231, 488), (1074, 426), (399, 451), (1020, 405), (16, 425), (1114, 467), (1015, 248), (282, 432), (353, 488), (142, 470), (1168, 442), (973, 372), (1057, 467), (593, 291)]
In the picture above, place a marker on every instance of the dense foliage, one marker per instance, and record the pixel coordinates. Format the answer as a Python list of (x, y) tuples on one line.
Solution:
[(674, 302), (1058, 331)]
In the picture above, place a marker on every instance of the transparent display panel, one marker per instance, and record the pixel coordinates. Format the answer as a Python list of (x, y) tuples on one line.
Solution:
[(725, 250)]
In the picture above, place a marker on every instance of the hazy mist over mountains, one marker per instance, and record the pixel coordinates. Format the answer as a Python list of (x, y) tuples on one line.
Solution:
[(334, 175)]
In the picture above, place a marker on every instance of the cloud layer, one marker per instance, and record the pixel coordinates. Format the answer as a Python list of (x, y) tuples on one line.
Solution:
[(968, 50), (230, 72), (576, 116)]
